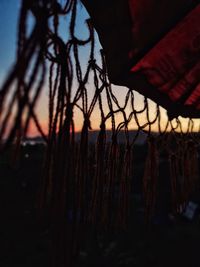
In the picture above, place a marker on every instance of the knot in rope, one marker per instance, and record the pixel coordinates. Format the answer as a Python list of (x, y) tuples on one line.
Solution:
[(87, 122)]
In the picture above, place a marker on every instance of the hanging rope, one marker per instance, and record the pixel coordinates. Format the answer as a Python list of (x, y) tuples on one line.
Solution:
[(79, 186)]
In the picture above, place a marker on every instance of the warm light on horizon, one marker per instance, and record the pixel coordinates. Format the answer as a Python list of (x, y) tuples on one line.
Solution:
[(95, 119)]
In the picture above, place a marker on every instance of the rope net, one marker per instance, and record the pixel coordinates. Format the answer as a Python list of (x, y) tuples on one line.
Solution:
[(84, 184)]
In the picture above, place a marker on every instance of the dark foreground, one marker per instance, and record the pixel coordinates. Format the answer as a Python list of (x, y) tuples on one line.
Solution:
[(25, 243)]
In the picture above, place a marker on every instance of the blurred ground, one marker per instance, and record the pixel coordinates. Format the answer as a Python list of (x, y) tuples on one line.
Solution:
[(23, 242)]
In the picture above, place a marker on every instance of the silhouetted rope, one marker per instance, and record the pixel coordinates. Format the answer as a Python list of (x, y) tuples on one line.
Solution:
[(80, 187)]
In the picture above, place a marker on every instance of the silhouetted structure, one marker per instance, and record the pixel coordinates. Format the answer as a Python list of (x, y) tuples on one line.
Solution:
[(83, 185)]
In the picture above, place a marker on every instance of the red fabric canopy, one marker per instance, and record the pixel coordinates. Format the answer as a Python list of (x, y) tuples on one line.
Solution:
[(153, 47)]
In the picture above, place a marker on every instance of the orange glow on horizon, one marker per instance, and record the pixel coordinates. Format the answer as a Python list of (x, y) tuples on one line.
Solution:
[(33, 131)]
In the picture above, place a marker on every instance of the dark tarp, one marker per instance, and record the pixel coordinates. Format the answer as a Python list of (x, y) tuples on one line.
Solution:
[(153, 46)]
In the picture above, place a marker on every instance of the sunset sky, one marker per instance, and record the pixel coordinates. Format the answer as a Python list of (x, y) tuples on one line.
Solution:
[(9, 11)]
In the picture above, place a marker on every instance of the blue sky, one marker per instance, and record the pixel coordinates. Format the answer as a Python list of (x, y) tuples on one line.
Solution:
[(9, 10)]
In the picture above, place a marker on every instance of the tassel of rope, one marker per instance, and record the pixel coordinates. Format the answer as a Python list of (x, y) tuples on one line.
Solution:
[(191, 170), (109, 188), (99, 178), (150, 179), (180, 163), (125, 188), (195, 165), (176, 180), (82, 171), (173, 181), (62, 212)]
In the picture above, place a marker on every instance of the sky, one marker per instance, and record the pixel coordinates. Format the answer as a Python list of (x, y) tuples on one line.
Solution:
[(9, 12)]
